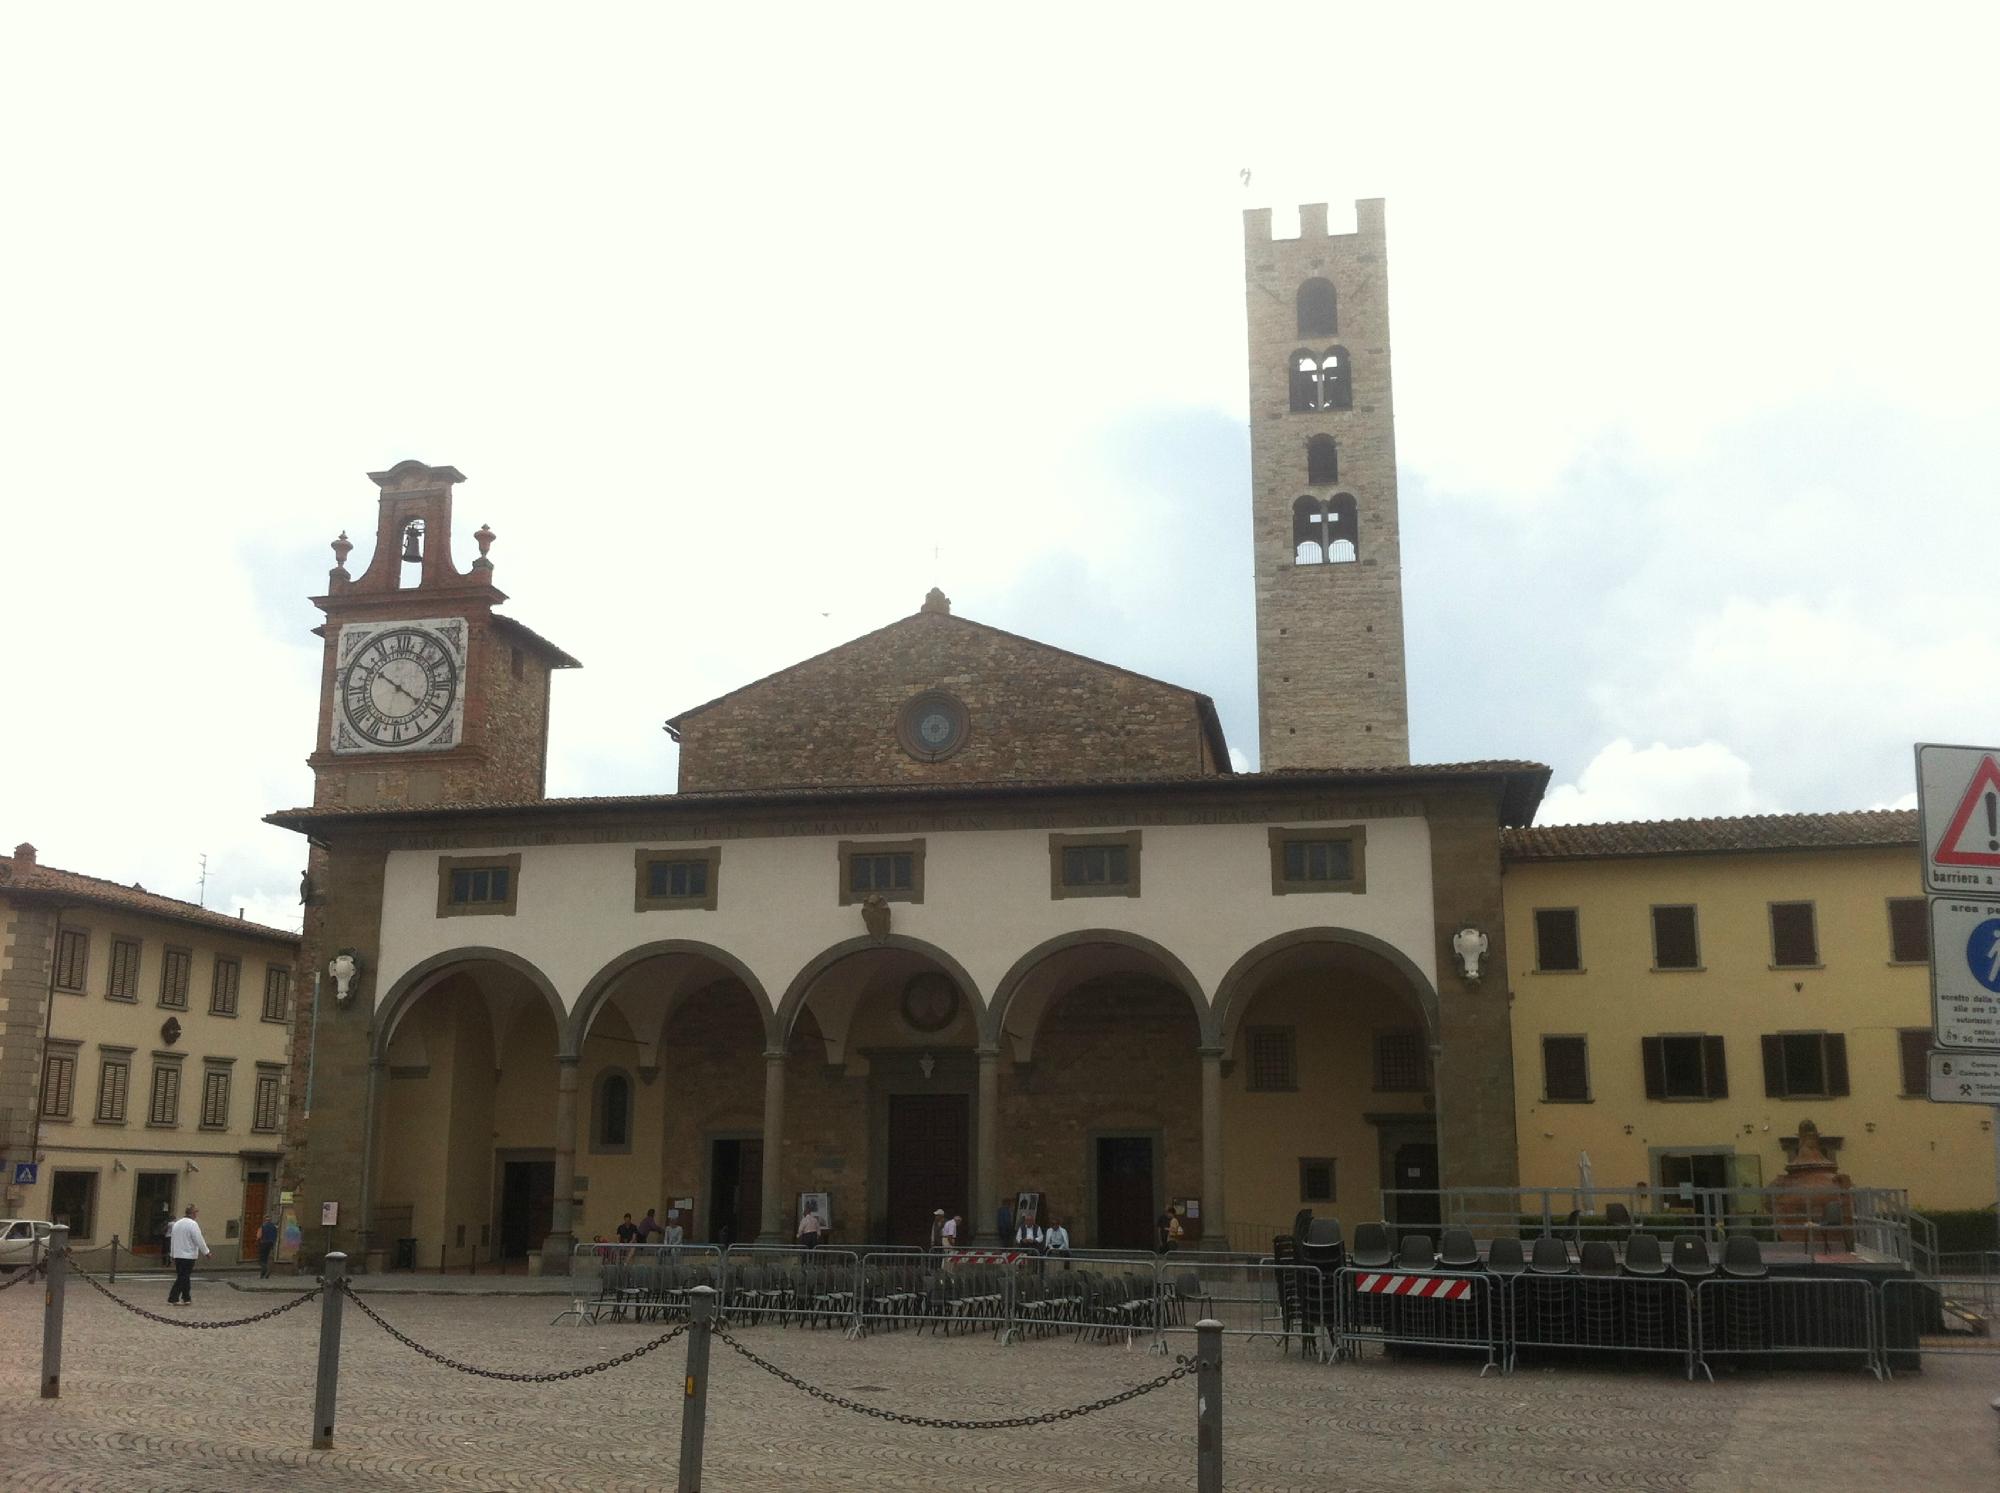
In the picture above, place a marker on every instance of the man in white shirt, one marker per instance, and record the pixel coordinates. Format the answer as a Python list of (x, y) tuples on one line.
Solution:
[(185, 1243), (1056, 1240), (948, 1235)]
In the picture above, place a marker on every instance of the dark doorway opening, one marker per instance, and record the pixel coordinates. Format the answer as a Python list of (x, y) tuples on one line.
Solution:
[(735, 1191), (527, 1206), (1125, 1193), (1415, 1183), (152, 1211), (928, 1163)]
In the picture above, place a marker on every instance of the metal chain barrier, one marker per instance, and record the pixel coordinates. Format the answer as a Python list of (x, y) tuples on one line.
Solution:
[(549, 1378), (140, 1311), (1183, 1366), (30, 1273)]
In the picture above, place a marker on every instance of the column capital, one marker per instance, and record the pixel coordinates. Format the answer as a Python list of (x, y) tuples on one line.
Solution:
[(775, 1054), (1216, 1052), (568, 1059), (985, 1052)]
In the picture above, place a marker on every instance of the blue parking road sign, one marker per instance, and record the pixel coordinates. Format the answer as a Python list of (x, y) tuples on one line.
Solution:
[(24, 1173)]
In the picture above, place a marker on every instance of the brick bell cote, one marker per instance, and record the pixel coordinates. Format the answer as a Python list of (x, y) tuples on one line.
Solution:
[(413, 525)]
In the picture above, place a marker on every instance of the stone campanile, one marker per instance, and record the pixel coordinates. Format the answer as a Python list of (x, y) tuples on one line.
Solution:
[(1331, 690)]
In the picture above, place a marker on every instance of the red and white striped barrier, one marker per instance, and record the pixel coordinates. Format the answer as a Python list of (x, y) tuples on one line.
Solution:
[(1430, 1287), (985, 1257)]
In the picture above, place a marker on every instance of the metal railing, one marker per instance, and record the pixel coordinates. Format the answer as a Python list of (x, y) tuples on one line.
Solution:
[(1623, 1314), (1768, 1317), (1251, 1299), (639, 1282), (1949, 1315), (1417, 1309)]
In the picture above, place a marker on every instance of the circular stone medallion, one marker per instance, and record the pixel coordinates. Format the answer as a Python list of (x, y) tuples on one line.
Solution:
[(932, 726), (930, 1001)]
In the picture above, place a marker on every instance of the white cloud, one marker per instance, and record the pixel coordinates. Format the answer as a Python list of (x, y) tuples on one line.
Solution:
[(1655, 782)]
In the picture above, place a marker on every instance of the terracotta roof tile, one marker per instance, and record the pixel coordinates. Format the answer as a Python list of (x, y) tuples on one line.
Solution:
[(47, 881), (1752, 832)]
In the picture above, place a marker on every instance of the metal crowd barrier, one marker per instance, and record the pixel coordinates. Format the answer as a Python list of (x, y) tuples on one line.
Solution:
[(790, 1286), (1599, 1313), (1917, 1316), (1416, 1309), (1777, 1316), (638, 1282), (1251, 1299)]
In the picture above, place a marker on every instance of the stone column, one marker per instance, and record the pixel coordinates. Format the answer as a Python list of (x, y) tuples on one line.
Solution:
[(562, 1238), (774, 1230), (371, 1117), (986, 1167), (1214, 1228)]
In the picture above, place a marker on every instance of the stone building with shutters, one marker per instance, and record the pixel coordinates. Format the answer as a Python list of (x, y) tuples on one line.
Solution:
[(144, 1047)]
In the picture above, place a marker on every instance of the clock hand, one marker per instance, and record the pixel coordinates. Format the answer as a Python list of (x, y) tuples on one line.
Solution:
[(399, 689)]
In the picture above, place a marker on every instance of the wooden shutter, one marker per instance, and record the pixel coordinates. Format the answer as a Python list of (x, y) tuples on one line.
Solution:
[(1835, 1047), (1774, 1067), (1653, 1054), (1716, 1069), (1915, 1044), (1909, 930)]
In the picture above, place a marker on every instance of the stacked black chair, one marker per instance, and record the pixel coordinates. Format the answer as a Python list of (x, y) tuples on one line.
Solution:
[(1692, 1263), (1745, 1320), (1456, 1251), (1371, 1246), (1597, 1296), (1506, 1263), (1546, 1292), (1651, 1301), (1321, 1247)]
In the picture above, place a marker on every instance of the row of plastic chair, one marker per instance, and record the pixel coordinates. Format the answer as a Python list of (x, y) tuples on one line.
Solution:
[(1320, 1243)]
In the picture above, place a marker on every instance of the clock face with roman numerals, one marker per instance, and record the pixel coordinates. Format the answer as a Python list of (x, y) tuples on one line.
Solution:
[(399, 687)]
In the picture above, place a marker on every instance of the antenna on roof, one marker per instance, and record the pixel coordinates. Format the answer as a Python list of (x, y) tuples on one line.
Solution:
[(201, 897)]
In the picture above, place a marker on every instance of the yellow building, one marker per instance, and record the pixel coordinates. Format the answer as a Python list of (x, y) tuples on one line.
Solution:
[(144, 1044), (1687, 991)]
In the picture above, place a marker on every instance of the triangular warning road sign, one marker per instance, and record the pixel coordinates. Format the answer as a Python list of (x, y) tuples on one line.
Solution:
[(1973, 836)]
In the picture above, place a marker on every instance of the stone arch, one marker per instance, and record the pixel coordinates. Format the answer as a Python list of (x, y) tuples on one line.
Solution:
[(1176, 972), (787, 1014), (600, 985), (1239, 985), (421, 978)]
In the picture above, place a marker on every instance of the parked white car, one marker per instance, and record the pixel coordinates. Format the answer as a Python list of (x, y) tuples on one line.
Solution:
[(23, 1241)]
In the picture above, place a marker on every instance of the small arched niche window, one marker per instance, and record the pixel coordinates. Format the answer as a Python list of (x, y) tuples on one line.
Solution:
[(1336, 388), (1319, 314), (1325, 531), (1305, 380), (611, 1112), (1322, 460)]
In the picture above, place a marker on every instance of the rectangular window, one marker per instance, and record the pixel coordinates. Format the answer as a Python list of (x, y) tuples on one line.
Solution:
[(72, 958), (1913, 1045), (1684, 1067), (1273, 1059), (114, 1083), (215, 1099), (58, 1084), (266, 1113), (1319, 860), (1909, 930), (668, 879), (478, 885), (124, 982), (1317, 1179), (1805, 1065), (222, 989), (165, 1107), (1094, 865), (1675, 945), (73, 1203), (1558, 943), (174, 968), (890, 869), (1400, 1067), (277, 992), (1794, 937), (1566, 1070)]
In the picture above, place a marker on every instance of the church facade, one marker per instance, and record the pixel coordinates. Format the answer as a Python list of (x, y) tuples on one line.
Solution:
[(999, 919)]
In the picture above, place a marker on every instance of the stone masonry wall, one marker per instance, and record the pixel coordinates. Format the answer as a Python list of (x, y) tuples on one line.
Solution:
[(1331, 690), (24, 982), (1035, 713)]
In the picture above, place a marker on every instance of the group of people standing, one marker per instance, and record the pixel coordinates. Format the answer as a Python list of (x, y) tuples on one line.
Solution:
[(649, 1230), (1028, 1232)]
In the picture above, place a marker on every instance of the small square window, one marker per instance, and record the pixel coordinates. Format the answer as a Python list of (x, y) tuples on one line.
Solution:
[(1685, 1067), (1317, 1179), (1566, 1070), (890, 869), (1273, 1052), (1094, 865), (1318, 860), (472, 886), (1909, 930), (671, 879), (1805, 1065), (1400, 1063), (1558, 947), (1675, 945), (1794, 936)]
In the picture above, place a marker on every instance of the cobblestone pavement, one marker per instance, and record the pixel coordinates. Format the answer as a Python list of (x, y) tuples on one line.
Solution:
[(146, 1406)]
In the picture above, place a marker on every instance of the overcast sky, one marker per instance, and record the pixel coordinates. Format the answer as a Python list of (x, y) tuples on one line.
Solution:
[(746, 333)]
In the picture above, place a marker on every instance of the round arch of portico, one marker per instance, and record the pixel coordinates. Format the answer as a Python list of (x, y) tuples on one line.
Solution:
[(1239, 986), (599, 987), (787, 1014), (418, 980), (1177, 973)]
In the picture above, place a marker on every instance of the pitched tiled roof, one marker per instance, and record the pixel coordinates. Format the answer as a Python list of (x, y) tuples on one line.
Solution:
[(27, 878), (1750, 832), (1524, 782)]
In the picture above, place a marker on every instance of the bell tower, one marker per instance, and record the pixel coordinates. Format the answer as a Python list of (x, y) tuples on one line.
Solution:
[(427, 694), (1331, 689)]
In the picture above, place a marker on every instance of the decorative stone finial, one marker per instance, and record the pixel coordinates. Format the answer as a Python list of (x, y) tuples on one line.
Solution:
[(936, 601), (875, 915), (342, 548), (483, 536)]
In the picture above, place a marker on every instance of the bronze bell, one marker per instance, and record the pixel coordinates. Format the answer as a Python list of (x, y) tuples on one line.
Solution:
[(411, 550)]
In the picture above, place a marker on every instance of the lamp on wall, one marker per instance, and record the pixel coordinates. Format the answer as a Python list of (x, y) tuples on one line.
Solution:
[(192, 1167), (344, 967), (1470, 945)]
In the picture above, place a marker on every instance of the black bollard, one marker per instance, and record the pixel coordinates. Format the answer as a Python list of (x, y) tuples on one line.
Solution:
[(56, 1264), (694, 1406)]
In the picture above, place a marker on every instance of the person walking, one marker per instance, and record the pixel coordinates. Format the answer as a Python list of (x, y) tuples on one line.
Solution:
[(937, 1228), (809, 1228), (185, 1244), (267, 1245)]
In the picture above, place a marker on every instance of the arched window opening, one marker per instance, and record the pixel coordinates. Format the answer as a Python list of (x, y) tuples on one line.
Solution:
[(1318, 310), (1342, 553), (1325, 531), (1305, 380), (1343, 530), (611, 1119), (1322, 460), (1336, 388), (1307, 553)]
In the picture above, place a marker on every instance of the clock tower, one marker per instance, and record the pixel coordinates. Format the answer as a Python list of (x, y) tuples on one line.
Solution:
[(427, 694)]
